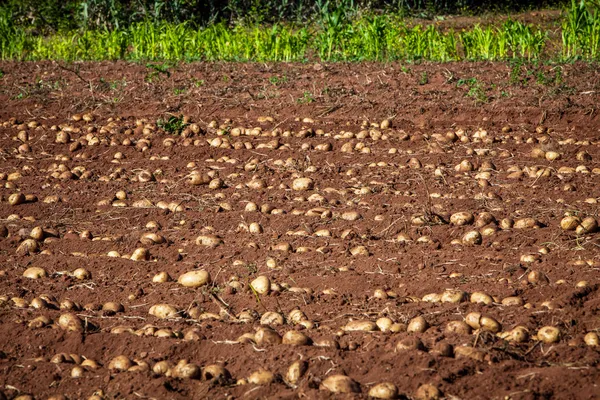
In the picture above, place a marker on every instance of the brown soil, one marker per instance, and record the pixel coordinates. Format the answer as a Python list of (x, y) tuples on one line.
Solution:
[(327, 283)]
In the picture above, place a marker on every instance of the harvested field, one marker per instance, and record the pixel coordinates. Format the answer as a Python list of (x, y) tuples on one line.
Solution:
[(409, 224)]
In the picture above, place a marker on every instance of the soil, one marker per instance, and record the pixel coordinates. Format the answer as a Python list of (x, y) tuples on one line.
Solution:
[(319, 276)]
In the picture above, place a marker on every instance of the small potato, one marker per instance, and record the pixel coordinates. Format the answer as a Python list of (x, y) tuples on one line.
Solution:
[(428, 392), (588, 225), (161, 277), (462, 218), (209, 240), (185, 370), (295, 372), (35, 273), (340, 384), (194, 279), (410, 343), (267, 336), (549, 334), (16, 199), (303, 184), (480, 297), (77, 372), (163, 311), (469, 352), (28, 247), (453, 296), (384, 390), (591, 339), (272, 318), (569, 223), (384, 324), (161, 367), (262, 285), (360, 325), (140, 254), (120, 363), (70, 322), (261, 377), (82, 274), (417, 324), (459, 327), (472, 238), (295, 338), (215, 372)]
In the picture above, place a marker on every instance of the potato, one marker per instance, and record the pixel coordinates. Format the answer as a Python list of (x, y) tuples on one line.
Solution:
[(417, 324), (453, 296), (35, 273), (77, 372), (462, 218), (588, 225), (267, 336), (295, 338), (428, 392), (340, 384), (591, 339), (215, 372), (16, 198), (113, 307), (39, 322), (82, 274), (261, 377), (549, 334), (569, 223), (472, 238), (209, 240), (262, 285), (272, 318), (185, 370), (28, 247), (410, 343), (194, 279), (120, 363), (161, 277), (302, 184), (163, 311), (518, 334), (384, 324), (480, 297), (384, 390), (151, 238), (459, 327), (70, 322), (526, 223), (360, 325), (469, 352), (295, 372), (161, 367), (140, 254)]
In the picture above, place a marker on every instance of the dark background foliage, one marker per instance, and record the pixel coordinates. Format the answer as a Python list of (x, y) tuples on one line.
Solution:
[(47, 16)]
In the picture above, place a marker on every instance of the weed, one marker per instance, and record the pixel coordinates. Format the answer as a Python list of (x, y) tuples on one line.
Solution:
[(199, 82), (306, 98), (277, 80), (1, 74), (156, 71), (424, 78), (178, 91), (476, 90), (173, 125)]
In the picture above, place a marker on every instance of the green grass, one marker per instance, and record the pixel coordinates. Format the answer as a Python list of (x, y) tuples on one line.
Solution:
[(337, 35)]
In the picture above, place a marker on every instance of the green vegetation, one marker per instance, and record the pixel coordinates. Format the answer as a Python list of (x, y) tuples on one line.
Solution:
[(275, 31), (173, 124)]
